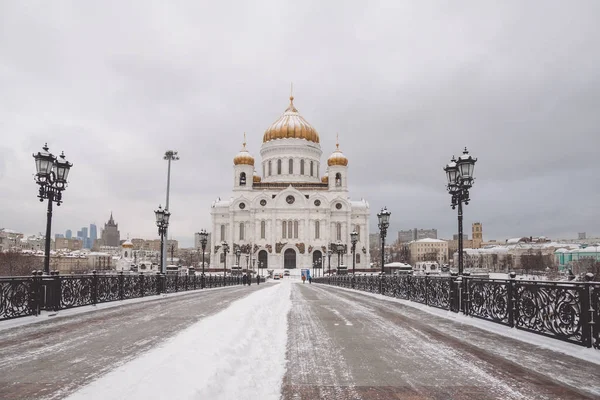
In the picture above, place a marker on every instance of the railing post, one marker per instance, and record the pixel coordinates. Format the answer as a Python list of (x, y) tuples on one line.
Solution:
[(466, 299), (453, 297), (426, 288), (121, 285), (57, 291), (381, 277), (459, 294), (35, 297), (512, 301), (158, 283), (94, 287), (587, 311), (141, 284)]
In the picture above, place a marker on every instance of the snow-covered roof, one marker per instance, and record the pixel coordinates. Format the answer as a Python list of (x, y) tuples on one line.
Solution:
[(398, 265), (429, 240)]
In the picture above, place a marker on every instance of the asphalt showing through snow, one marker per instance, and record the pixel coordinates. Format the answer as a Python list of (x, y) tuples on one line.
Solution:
[(346, 345), (52, 359)]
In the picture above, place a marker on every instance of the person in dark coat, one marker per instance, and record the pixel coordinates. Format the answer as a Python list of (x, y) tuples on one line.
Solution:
[(257, 279), (244, 279), (310, 279)]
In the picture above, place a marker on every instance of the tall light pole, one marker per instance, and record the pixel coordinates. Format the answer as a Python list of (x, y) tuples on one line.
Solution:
[(203, 240), (384, 222), (340, 250), (353, 240), (329, 252), (237, 254), (460, 179), (162, 222), (170, 155), (51, 175), (225, 251)]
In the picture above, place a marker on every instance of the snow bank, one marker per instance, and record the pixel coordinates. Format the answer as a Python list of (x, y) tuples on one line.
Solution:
[(237, 353)]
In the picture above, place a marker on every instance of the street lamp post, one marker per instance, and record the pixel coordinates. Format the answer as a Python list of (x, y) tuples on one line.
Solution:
[(237, 255), (51, 175), (225, 251), (353, 240), (162, 222), (340, 250), (170, 155), (203, 240), (384, 223), (254, 265), (460, 180), (329, 252)]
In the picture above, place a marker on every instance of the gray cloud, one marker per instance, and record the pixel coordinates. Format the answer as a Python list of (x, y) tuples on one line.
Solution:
[(406, 85)]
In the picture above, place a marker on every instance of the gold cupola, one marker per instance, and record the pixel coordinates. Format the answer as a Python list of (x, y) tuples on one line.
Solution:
[(337, 157), (256, 178), (325, 179), (243, 157), (291, 125)]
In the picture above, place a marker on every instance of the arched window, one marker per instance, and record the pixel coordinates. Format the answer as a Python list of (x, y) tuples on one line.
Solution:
[(338, 179), (291, 166), (242, 179), (301, 167), (357, 230), (242, 231), (338, 229), (270, 169), (312, 168), (295, 229), (357, 258), (317, 229), (290, 230), (222, 233), (284, 229), (279, 167), (263, 229)]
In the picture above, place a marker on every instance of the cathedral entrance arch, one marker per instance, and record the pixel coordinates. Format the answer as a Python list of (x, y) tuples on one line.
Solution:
[(263, 259), (317, 259), (289, 259)]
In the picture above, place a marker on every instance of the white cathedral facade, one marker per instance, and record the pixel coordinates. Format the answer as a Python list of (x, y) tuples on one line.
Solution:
[(290, 216)]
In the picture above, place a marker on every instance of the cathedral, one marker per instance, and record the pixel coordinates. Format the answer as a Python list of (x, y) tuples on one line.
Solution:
[(290, 215)]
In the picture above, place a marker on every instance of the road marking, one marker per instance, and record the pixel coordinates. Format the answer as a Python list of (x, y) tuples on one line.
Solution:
[(339, 315)]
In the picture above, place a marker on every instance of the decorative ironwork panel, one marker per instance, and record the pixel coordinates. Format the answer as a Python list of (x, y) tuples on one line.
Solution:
[(417, 289), (108, 288), (595, 305), (404, 283), (131, 286), (438, 292), (15, 297), (171, 283), (489, 300), (75, 291), (550, 309), (150, 285)]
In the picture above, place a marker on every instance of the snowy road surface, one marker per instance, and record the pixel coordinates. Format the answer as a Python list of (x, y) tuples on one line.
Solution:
[(282, 340), (346, 345), (53, 358)]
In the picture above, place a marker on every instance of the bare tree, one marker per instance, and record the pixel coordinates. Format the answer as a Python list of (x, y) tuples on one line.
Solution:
[(18, 264), (431, 255)]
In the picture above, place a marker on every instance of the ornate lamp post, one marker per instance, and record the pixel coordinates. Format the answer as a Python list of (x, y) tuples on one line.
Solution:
[(329, 252), (353, 240), (460, 179), (162, 221), (254, 265), (225, 251), (237, 255), (384, 223), (340, 250), (247, 263), (203, 240), (51, 175)]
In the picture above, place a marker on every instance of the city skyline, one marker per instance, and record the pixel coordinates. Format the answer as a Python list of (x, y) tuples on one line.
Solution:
[(405, 89)]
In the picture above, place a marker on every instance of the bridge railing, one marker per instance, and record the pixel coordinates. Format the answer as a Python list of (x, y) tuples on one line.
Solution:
[(568, 311), (29, 295)]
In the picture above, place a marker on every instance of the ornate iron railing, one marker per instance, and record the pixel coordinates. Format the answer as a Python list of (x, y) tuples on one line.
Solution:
[(22, 296), (568, 311)]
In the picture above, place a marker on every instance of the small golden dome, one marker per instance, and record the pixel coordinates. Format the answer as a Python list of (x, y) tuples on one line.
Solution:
[(243, 157), (291, 125), (325, 179), (127, 244), (337, 157), (256, 178)]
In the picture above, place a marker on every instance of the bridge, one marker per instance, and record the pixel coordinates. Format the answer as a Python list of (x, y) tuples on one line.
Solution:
[(337, 338)]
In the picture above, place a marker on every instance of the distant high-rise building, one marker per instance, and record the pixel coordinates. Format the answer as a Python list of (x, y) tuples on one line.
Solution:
[(416, 234), (477, 231), (84, 232), (93, 232), (79, 235), (581, 235), (110, 233), (68, 234)]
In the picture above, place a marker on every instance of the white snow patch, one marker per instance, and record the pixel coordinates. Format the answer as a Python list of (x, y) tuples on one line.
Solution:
[(236, 353)]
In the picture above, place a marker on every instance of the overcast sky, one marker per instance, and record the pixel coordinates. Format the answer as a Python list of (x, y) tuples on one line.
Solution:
[(406, 84)]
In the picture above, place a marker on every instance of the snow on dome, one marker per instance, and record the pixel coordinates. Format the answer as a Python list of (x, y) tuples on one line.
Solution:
[(291, 125), (127, 244)]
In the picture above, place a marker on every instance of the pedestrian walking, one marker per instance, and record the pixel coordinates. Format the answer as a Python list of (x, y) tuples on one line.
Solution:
[(303, 278), (310, 280), (257, 279)]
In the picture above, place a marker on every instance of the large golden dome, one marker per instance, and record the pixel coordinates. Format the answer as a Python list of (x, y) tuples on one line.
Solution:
[(243, 157), (337, 157), (291, 125)]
